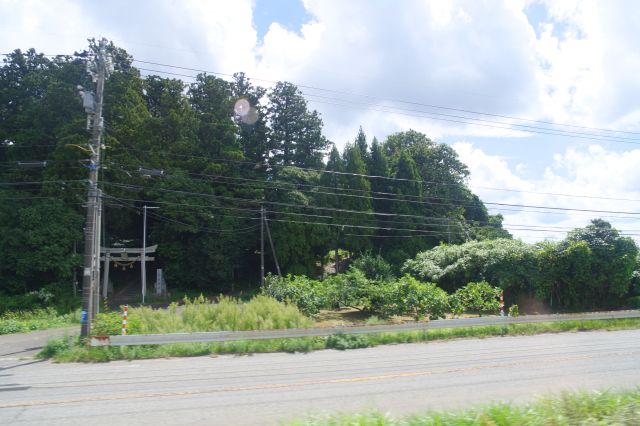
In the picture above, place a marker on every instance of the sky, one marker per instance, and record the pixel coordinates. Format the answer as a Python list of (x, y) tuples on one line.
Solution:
[(486, 77)]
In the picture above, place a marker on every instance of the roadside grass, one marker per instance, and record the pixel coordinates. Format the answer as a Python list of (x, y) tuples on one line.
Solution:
[(579, 408), (71, 349), (39, 319), (198, 314)]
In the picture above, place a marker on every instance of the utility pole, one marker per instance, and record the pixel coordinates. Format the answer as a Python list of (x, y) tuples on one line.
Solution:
[(273, 249), (143, 261), (261, 246), (99, 67)]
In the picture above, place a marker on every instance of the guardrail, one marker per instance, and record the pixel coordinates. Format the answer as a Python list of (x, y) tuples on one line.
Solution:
[(227, 336)]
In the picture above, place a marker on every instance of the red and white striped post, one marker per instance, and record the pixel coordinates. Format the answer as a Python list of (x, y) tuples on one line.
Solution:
[(502, 303), (124, 320)]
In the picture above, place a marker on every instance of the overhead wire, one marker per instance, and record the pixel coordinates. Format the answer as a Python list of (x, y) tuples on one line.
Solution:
[(129, 186), (389, 178), (469, 120), (458, 201)]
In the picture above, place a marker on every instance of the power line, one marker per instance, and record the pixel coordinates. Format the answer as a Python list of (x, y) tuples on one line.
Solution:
[(196, 227), (470, 120), (464, 203), (363, 175), (307, 206), (372, 98), (440, 107), (41, 182), (513, 227)]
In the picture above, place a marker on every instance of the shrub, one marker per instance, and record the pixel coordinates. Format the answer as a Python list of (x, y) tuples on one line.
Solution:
[(351, 289), (410, 296), (307, 294), (478, 297), (343, 342), (373, 267), (514, 311), (110, 324)]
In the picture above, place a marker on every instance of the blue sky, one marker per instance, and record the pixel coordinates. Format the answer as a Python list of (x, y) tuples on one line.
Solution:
[(572, 62), (291, 14)]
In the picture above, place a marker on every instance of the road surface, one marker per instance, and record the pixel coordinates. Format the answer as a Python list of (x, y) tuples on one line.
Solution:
[(267, 388)]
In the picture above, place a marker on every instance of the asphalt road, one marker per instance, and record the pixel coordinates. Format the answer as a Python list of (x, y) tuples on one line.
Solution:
[(267, 388)]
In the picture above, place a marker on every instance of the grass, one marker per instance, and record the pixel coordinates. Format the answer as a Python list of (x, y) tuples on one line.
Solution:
[(228, 314), (583, 408), (39, 319), (69, 349)]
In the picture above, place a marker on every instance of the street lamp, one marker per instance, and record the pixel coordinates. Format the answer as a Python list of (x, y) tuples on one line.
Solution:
[(144, 251)]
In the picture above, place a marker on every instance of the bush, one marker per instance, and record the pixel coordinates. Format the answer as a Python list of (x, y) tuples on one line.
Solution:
[(480, 298), (514, 311), (307, 294), (412, 297), (373, 267), (343, 342), (351, 289)]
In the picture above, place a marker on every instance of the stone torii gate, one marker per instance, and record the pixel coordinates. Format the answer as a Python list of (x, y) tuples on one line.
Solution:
[(122, 256)]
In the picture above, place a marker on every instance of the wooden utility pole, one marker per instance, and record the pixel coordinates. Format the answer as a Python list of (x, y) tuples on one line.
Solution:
[(99, 67), (143, 262), (262, 246), (273, 249)]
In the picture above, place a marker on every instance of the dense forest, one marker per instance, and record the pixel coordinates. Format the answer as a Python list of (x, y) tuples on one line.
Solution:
[(210, 154)]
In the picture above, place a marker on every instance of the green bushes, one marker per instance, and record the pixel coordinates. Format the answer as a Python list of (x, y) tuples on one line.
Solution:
[(409, 296), (404, 296), (480, 298), (307, 294), (351, 289), (373, 267), (592, 268)]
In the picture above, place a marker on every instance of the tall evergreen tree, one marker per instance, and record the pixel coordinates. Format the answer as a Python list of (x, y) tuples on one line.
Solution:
[(295, 133), (361, 144), (356, 197)]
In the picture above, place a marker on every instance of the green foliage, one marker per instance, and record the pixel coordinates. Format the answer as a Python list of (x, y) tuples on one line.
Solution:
[(510, 264), (480, 298), (373, 267), (412, 297), (307, 294), (228, 314), (193, 133), (350, 289), (514, 311), (343, 342), (579, 408), (39, 319), (58, 346)]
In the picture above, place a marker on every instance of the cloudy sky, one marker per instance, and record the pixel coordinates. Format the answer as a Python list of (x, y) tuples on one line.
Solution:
[(487, 77)]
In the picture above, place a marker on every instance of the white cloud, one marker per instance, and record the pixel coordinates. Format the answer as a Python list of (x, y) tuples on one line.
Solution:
[(452, 53), (580, 174)]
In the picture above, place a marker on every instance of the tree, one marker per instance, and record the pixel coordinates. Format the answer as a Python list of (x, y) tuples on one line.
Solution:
[(405, 203), (356, 197), (252, 126), (295, 133), (361, 144), (612, 263), (509, 264)]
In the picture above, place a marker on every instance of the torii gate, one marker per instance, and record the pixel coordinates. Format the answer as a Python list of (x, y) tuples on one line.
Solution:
[(108, 256)]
